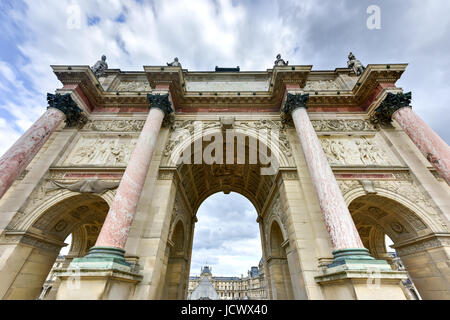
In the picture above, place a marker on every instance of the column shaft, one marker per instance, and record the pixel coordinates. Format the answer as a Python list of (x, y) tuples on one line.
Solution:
[(116, 227), (338, 220), (427, 141), (17, 158)]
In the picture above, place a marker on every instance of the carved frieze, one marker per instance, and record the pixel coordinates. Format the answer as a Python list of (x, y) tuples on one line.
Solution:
[(321, 85), (134, 86), (115, 125), (103, 150), (362, 150), (338, 125), (423, 245)]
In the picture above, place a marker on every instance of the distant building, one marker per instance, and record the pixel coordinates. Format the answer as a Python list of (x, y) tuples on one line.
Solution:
[(408, 287), (204, 291), (51, 282), (251, 287)]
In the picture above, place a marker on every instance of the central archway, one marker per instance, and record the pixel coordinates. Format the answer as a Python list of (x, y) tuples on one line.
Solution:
[(227, 242), (243, 175)]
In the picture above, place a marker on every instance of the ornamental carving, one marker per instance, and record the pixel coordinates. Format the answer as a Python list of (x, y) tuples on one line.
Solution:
[(179, 212), (335, 125), (134, 86), (275, 212), (423, 245), (86, 186), (294, 101), (65, 104), (186, 127), (347, 185), (115, 125), (392, 102), (179, 131), (354, 151), (268, 125), (160, 101), (102, 151), (408, 189), (322, 85)]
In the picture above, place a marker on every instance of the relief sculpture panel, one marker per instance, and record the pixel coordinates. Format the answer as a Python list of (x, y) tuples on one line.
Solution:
[(102, 150), (361, 150)]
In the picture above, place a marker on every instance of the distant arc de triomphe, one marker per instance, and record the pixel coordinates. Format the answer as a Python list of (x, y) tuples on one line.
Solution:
[(332, 161)]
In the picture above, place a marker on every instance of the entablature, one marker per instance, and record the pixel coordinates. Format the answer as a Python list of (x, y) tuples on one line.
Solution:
[(338, 90)]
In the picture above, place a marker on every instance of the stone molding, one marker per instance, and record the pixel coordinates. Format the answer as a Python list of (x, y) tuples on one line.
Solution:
[(419, 245)]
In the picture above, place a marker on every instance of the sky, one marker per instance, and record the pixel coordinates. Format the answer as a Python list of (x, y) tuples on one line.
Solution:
[(208, 33), (226, 236)]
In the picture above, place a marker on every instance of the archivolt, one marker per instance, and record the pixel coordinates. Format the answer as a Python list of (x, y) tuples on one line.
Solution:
[(357, 192)]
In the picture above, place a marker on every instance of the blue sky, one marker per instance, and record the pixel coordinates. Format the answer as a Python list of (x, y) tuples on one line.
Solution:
[(205, 33)]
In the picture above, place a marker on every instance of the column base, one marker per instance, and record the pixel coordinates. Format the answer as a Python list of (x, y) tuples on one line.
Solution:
[(103, 274), (343, 256), (361, 279)]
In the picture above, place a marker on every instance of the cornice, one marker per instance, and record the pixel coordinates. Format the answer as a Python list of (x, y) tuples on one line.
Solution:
[(348, 100)]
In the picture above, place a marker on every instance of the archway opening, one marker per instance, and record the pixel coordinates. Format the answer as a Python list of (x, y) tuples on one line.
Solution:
[(227, 248), (244, 166), (384, 225), (66, 230)]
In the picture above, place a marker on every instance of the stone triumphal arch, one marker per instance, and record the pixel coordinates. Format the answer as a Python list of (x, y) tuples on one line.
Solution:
[(333, 161)]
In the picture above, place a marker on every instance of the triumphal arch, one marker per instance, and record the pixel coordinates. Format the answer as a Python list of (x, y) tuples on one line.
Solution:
[(332, 160)]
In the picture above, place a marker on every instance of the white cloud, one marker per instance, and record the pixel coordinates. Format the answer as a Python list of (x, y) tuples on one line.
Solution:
[(8, 135), (226, 235)]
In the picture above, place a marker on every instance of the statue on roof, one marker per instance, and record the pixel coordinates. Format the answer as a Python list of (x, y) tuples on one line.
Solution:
[(280, 62), (175, 63), (355, 65), (100, 67)]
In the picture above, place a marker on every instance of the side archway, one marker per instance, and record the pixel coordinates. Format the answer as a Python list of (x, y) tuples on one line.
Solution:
[(277, 264), (38, 241), (415, 241)]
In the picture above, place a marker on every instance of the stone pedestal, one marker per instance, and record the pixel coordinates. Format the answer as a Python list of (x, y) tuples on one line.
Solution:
[(352, 279), (101, 276)]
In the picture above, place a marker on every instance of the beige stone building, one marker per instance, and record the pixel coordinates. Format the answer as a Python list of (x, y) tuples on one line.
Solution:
[(332, 160), (251, 287)]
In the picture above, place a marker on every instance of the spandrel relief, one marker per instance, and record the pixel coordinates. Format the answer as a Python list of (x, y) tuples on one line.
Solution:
[(362, 150), (102, 151)]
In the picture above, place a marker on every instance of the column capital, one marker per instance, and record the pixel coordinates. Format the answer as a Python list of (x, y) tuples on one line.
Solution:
[(65, 104), (160, 101), (392, 103), (294, 101)]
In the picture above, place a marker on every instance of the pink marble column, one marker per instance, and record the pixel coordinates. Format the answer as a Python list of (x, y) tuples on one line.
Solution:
[(117, 225), (17, 158), (429, 143), (338, 220)]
